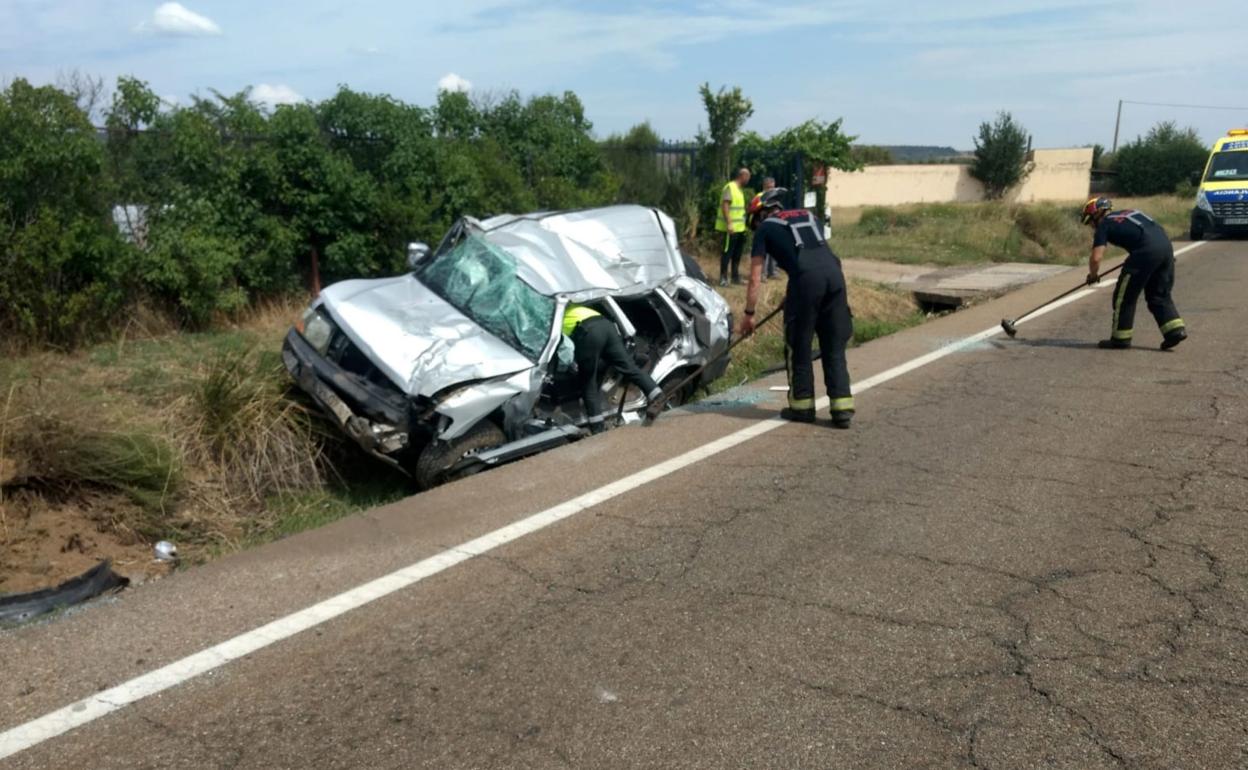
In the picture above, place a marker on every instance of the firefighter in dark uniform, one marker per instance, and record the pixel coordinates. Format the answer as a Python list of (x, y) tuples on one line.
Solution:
[(815, 304), (596, 340), (1149, 269)]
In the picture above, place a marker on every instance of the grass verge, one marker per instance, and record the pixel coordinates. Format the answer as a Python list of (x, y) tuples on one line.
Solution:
[(964, 233), (186, 437)]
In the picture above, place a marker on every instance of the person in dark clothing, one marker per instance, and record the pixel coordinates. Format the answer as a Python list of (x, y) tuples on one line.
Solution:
[(597, 340), (815, 304), (1149, 269)]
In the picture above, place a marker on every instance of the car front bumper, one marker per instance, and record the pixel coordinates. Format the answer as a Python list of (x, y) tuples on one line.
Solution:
[(376, 420)]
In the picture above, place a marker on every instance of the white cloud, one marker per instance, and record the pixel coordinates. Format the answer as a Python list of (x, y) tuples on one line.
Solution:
[(452, 82), (273, 95), (176, 19)]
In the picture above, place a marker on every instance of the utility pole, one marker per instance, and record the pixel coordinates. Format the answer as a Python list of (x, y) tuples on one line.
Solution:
[(1117, 125)]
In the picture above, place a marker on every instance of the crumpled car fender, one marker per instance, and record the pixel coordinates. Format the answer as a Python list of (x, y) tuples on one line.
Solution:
[(468, 405)]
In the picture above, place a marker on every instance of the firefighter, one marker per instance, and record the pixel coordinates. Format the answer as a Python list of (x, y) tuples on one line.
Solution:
[(815, 304), (596, 340), (769, 265), (1149, 269)]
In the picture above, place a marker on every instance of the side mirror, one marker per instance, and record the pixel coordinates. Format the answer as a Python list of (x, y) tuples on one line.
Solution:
[(416, 253), (1195, 178)]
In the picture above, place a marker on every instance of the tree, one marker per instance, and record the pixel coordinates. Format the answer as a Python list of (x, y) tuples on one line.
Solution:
[(1000, 155), (726, 114), (1098, 155), (632, 160), (817, 143), (61, 262), (1159, 161)]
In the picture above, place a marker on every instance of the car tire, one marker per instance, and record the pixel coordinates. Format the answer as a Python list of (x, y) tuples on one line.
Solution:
[(1197, 231), (433, 466), (682, 396)]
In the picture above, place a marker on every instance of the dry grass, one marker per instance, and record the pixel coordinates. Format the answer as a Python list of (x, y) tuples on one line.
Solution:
[(236, 420), (962, 233), (181, 436)]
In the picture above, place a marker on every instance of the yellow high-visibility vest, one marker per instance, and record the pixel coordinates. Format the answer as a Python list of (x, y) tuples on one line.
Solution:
[(736, 209), (574, 315)]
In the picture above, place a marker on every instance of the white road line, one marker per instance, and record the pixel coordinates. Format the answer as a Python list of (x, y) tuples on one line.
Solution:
[(100, 704)]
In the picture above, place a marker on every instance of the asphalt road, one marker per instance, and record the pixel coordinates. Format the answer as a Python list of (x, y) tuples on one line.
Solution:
[(1028, 554)]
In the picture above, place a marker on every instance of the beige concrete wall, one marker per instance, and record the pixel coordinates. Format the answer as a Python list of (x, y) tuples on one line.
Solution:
[(1056, 175)]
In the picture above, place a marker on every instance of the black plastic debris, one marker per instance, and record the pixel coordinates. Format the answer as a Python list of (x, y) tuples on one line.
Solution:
[(16, 609)]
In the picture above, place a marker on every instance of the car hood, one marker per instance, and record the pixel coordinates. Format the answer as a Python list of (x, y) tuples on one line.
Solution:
[(416, 338)]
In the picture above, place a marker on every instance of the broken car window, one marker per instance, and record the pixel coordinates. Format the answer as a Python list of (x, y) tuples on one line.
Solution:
[(480, 281)]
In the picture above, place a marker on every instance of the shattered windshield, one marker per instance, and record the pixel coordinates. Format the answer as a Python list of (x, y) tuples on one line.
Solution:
[(480, 281)]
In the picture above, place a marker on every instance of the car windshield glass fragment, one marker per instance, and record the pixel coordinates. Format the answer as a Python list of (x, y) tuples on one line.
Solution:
[(480, 281), (1229, 166)]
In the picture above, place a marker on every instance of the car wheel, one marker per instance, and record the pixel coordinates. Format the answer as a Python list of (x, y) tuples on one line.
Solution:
[(436, 462), (1197, 231), (680, 397)]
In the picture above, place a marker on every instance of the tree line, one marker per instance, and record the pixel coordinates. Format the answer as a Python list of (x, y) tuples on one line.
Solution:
[(204, 208)]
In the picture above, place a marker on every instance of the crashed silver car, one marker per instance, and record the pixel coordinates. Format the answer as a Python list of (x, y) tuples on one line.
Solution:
[(460, 364)]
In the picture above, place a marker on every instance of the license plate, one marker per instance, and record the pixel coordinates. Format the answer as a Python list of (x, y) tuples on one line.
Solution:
[(1235, 221)]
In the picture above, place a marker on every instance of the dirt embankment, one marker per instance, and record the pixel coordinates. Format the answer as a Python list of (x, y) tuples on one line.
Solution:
[(184, 437)]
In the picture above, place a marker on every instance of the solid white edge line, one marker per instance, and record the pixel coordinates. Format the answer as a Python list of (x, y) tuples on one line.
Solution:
[(100, 704)]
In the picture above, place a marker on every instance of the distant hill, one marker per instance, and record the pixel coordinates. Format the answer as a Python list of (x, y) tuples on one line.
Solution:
[(921, 153)]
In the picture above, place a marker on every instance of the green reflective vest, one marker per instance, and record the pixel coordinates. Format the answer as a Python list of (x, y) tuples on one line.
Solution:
[(736, 209), (574, 315)]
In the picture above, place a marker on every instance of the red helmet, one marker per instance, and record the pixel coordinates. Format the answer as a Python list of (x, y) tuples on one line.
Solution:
[(1094, 209)]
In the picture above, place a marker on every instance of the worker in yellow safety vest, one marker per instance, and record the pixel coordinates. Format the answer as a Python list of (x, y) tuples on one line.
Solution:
[(769, 264), (730, 220), (597, 340)]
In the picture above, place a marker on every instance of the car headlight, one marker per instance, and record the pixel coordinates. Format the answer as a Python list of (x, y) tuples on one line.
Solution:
[(1202, 201), (317, 330)]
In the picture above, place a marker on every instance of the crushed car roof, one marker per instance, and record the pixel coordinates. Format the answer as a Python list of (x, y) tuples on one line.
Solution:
[(614, 250)]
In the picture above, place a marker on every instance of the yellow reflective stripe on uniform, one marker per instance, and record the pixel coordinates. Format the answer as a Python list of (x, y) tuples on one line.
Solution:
[(1118, 297), (794, 403), (574, 315), (1170, 326), (843, 404), (1122, 334)]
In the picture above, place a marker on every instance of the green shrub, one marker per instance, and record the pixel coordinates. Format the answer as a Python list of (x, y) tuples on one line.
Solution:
[(1000, 155), (61, 260), (1158, 162)]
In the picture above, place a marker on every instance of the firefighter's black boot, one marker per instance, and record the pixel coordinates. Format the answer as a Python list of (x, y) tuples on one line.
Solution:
[(1112, 344), (842, 420), (1173, 338), (797, 415)]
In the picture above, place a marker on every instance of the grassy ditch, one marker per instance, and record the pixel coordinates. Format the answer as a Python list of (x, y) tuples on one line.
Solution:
[(195, 438), (186, 437), (964, 233)]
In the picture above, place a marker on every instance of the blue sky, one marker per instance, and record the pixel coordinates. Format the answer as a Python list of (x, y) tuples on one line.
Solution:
[(905, 72)]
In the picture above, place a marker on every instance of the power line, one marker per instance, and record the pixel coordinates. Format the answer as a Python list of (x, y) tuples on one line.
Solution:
[(1187, 106), (1118, 121)]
